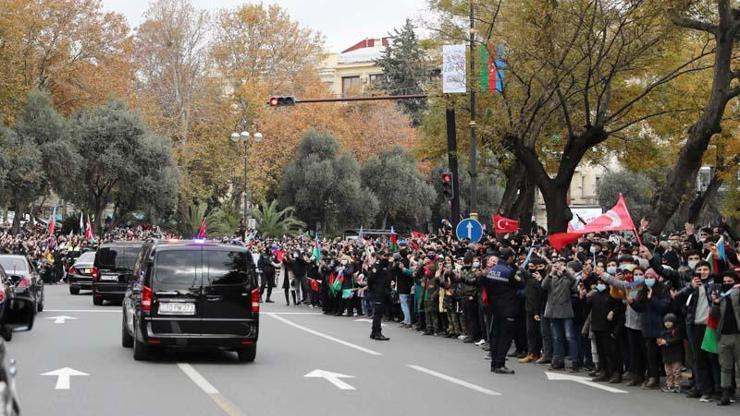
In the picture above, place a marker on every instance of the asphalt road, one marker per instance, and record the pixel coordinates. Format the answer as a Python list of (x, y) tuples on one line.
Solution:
[(411, 374)]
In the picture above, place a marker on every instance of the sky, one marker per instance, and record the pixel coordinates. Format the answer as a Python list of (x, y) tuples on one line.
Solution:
[(342, 22)]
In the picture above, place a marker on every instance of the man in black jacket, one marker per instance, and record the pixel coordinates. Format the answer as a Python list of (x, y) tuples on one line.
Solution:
[(501, 283), (379, 285)]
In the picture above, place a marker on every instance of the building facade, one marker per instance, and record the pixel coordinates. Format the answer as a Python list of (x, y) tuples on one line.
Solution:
[(353, 71)]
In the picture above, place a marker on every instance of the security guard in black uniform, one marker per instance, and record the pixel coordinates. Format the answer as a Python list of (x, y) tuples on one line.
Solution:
[(379, 285)]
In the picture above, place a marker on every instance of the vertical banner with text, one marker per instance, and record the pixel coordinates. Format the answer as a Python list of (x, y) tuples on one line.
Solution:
[(453, 69)]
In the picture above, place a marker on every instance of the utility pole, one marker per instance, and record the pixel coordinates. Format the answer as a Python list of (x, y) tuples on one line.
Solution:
[(473, 136), (452, 161)]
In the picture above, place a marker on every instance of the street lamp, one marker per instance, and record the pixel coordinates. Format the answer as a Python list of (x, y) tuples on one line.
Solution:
[(243, 137)]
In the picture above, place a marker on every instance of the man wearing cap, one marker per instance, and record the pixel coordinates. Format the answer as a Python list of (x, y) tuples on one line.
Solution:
[(501, 284), (379, 284)]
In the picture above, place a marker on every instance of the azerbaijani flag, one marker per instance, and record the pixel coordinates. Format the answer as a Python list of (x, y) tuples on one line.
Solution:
[(492, 70), (709, 343), (317, 250), (721, 249), (712, 263), (393, 239)]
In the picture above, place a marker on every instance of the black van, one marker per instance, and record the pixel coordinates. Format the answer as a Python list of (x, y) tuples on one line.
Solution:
[(192, 295), (112, 269)]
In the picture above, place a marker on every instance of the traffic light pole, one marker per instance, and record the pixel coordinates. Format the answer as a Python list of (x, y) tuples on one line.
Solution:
[(452, 162), (296, 101)]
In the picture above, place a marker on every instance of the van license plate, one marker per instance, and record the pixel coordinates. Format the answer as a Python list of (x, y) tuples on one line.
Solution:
[(177, 308)]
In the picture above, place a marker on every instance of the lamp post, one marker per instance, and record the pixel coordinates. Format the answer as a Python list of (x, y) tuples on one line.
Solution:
[(243, 137)]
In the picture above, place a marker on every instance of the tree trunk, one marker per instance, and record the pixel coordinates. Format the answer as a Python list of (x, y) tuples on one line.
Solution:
[(524, 204), (17, 218), (556, 206), (668, 198), (515, 175), (699, 202)]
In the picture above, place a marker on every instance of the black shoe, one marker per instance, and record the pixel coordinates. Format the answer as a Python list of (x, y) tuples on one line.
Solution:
[(693, 394), (269, 301), (502, 370), (601, 378), (594, 373), (726, 398), (428, 333), (574, 369), (381, 337), (521, 354), (555, 367), (468, 340), (616, 378)]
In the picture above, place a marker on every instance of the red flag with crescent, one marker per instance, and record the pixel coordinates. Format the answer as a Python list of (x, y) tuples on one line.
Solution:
[(503, 225), (616, 219)]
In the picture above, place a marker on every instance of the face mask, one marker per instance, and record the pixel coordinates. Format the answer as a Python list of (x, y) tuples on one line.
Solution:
[(726, 287), (612, 270), (640, 278), (693, 263), (601, 287), (649, 282), (476, 264)]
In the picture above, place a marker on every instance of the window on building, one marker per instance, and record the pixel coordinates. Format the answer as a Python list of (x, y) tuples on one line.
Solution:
[(376, 78), (351, 85)]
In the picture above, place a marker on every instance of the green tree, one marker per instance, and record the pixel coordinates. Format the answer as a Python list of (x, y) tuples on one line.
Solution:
[(489, 192), (24, 180), (405, 70), (399, 186), (274, 222), (121, 163), (325, 187)]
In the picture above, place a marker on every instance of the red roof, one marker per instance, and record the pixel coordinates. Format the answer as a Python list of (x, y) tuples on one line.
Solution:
[(368, 43)]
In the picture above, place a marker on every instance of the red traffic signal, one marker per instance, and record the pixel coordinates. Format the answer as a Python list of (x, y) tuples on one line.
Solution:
[(280, 101), (447, 185)]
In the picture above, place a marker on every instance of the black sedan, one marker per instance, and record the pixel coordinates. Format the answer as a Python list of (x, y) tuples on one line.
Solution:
[(79, 275), (28, 283)]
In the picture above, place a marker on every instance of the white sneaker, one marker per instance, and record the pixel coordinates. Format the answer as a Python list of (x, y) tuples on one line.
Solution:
[(461, 337), (481, 342)]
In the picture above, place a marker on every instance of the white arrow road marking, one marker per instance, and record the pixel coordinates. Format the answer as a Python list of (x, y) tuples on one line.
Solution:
[(333, 378), (470, 230), (229, 408), (582, 380), (367, 320), (322, 335), (61, 318), (63, 375), (454, 380)]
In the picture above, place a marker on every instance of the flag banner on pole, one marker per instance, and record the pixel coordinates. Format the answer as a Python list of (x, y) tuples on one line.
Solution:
[(393, 240), (721, 250), (317, 250), (492, 70), (82, 223), (560, 240), (203, 231), (616, 219), (503, 225), (53, 222)]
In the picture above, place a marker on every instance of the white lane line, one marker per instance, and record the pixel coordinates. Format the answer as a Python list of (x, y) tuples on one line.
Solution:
[(229, 408), (325, 336), (295, 313), (85, 310), (454, 380)]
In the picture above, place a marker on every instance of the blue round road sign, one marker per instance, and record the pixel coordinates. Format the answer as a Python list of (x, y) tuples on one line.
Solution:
[(469, 229)]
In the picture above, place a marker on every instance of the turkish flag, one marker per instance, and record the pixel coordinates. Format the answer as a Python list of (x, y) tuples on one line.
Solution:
[(503, 225), (560, 240), (616, 219)]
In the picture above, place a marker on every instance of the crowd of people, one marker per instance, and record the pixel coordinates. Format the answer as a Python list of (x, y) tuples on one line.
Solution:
[(53, 254), (624, 311)]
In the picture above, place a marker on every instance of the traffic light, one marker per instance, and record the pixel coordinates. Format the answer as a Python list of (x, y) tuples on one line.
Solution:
[(447, 185), (280, 101)]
